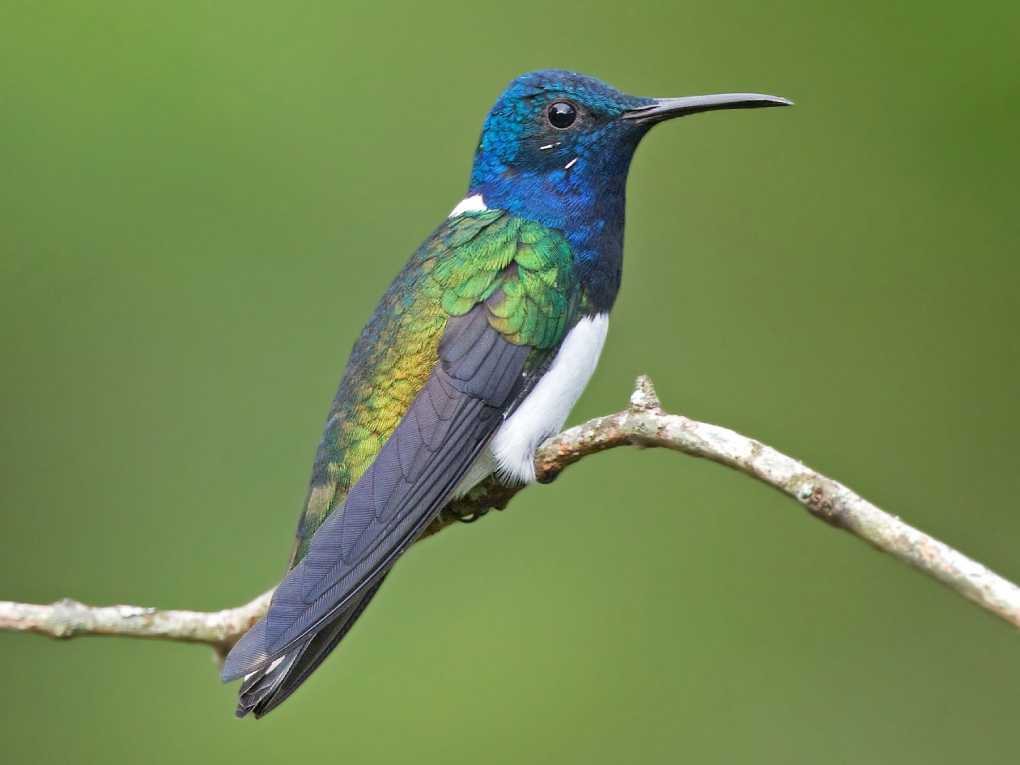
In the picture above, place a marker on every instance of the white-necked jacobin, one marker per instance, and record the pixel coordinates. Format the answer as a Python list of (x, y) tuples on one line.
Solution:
[(475, 354)]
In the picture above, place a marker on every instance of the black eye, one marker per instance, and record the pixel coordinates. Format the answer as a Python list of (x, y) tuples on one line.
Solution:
[(561, 115)]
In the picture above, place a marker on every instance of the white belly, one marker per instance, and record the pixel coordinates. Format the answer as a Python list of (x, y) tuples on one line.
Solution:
[(511, 453)]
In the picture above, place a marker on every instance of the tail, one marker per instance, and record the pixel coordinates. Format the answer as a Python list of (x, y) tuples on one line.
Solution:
[(271, 680)]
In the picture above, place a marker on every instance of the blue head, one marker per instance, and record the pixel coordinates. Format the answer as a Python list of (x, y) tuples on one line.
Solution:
[(556, 148)]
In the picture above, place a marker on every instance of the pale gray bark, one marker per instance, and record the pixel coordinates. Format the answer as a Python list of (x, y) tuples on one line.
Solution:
[(642, 424)]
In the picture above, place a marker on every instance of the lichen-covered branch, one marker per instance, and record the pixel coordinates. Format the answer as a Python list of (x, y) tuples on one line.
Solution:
[(642, 424), (69, 618)]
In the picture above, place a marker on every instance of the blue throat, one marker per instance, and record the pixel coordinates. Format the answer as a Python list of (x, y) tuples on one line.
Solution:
[(571, 179), (586, 202)]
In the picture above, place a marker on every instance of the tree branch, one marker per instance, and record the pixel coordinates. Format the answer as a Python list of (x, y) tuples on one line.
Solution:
[(68, 618), (642, 424)]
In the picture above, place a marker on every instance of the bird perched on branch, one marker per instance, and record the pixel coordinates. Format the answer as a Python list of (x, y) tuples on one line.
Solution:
[(475, 354)]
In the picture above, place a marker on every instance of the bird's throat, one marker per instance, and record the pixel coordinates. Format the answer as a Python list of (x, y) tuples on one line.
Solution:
[(589, 211)]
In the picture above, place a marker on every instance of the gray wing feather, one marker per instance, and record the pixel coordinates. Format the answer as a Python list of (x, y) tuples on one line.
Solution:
[(477, 379)]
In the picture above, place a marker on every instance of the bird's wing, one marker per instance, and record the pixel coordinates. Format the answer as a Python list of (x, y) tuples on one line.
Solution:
[(503, 293), (464, 260)]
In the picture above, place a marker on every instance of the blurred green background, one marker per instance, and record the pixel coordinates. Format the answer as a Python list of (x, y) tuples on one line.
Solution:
[(200, 203)]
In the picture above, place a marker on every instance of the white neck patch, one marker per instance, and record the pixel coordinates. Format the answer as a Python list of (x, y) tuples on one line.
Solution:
[(468, 204)]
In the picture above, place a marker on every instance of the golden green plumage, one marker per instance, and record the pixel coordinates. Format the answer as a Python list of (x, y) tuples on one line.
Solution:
[(524, 273)]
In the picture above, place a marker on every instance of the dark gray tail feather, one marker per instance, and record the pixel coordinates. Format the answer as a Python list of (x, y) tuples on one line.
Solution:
[(272, 684)]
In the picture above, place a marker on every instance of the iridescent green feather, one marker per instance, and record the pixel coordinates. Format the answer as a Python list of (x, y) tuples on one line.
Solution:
[(521, 270)]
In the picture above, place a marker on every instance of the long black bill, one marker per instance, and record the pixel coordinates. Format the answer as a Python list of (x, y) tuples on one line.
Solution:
[(668, 108)]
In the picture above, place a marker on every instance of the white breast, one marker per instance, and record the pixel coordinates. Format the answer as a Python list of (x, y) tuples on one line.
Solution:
[(511, 452)]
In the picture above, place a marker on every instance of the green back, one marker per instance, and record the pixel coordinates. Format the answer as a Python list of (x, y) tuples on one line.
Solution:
[(524, 273)]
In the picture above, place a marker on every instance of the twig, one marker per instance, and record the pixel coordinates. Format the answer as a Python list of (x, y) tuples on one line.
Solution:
[(68, 618), (643, 424)]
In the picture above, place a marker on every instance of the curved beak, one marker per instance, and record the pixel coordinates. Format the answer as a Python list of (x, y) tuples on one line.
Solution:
[(667, 108)]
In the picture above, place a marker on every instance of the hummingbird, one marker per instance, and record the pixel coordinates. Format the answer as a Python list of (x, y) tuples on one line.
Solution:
[(475, 354)]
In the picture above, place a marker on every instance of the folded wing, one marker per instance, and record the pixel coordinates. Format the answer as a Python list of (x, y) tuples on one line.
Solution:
[(456, 343), (449, 422)]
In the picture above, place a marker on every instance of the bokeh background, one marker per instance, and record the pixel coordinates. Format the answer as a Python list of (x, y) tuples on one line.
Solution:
[(200, 203)]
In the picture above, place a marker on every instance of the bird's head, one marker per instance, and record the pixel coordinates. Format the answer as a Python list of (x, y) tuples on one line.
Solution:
[(559, 133), (556, 149)]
